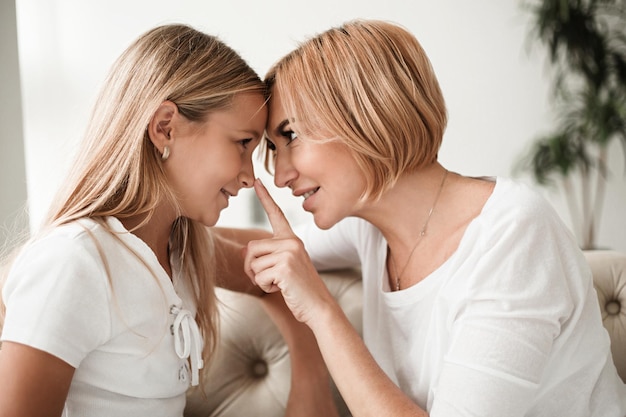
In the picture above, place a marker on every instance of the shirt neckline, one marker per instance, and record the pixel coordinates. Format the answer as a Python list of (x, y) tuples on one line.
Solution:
[(429, 282)]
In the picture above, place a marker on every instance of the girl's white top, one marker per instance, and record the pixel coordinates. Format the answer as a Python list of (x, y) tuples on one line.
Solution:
[(129, 332)]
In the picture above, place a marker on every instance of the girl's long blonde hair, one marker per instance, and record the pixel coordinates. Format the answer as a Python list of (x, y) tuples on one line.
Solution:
[(370, 85), (118, 171)]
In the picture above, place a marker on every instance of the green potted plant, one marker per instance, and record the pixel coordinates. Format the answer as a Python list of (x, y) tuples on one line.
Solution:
[(586, 42)]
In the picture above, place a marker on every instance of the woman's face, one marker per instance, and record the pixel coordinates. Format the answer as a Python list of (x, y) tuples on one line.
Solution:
[(324, 173), (211, 161)]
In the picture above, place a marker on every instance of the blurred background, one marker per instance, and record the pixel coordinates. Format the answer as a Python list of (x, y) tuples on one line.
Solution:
[(496, 81)]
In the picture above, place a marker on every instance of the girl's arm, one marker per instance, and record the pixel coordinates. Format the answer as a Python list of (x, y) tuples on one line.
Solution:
[(230, 245), (34, 383)]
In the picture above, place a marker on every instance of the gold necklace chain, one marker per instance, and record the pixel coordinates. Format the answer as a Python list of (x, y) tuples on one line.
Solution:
[(419, 237)]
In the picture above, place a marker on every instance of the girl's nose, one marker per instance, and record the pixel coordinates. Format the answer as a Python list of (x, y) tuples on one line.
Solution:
[(246, 175)]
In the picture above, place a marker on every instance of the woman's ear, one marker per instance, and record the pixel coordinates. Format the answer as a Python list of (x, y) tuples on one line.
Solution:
[(161, 124)]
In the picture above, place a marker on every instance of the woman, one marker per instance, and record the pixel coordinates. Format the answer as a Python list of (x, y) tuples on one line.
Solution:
[(100, 304), (477, 300)]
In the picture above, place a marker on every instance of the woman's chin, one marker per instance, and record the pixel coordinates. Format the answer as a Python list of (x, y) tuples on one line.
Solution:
[(323, 223)]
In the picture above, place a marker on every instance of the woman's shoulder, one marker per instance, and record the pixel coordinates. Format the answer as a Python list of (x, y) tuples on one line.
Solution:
[(515, 201), (517, 215), (519, 242)]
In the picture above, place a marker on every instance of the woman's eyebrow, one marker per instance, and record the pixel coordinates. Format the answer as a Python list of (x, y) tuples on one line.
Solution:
[(281, 127)]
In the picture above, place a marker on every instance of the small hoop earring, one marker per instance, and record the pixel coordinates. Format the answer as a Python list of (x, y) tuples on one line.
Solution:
[(166, 153)]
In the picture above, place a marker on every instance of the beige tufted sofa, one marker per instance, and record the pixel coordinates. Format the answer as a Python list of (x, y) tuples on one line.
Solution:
[(250, 375)]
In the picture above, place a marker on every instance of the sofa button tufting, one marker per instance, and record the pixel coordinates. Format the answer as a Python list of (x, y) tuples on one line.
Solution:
[(613, 307), (259, 368)]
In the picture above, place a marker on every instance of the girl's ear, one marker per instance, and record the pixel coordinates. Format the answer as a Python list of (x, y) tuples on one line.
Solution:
[(160, 126)]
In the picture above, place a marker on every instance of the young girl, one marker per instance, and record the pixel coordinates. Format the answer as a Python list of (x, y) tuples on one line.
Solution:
[(477, 300), (100, 304)]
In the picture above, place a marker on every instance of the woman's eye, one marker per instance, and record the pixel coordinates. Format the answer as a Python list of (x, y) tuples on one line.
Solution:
[(270, 145), (289, 134)]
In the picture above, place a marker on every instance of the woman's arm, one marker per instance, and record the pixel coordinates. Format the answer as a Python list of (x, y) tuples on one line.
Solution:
[(34, 383), (310, 392), (365, 388), (282, 264)]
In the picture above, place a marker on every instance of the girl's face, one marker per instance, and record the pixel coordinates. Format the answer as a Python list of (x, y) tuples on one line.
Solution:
[(322, 172), (211, 161)]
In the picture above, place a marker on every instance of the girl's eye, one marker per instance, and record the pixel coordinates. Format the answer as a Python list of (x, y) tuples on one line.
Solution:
[(244, 142), (270, 145)]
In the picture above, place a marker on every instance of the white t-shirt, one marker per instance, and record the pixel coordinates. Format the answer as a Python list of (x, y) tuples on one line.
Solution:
[(115, 330), (508, 326)]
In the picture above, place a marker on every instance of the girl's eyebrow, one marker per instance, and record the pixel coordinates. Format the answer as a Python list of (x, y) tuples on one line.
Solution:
[(252, 133)]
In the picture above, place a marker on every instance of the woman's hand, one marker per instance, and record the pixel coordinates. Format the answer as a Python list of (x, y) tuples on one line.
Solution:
[(281, 263)]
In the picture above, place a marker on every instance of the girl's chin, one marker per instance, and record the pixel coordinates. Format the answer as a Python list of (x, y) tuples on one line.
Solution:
[(208, 220), (206, 223)]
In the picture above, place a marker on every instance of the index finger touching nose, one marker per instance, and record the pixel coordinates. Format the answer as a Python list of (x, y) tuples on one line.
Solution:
[(278, 221)]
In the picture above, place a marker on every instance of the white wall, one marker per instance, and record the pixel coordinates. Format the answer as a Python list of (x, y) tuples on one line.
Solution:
[(495, 88), (13, 216)]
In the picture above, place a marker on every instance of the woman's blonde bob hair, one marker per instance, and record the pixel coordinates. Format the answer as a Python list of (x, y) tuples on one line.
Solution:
[(118, 171), (370, 85)]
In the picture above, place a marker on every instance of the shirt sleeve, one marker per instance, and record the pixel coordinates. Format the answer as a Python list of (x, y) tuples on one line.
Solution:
[(517, 301), (57, 298), (334, 248)]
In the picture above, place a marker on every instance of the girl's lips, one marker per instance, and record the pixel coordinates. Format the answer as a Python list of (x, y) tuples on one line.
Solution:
[(227, 195)]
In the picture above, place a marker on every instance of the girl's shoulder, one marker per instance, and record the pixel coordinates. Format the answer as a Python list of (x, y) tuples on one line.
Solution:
[(77, 242)]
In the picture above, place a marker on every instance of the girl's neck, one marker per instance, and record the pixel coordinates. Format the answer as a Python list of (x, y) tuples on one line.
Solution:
[(155, 233)]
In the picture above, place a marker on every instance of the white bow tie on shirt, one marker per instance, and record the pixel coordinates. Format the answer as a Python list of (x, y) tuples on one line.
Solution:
[(188, 340)]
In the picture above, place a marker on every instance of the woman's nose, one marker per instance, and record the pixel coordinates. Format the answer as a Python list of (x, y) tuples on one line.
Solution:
[(284, 171)]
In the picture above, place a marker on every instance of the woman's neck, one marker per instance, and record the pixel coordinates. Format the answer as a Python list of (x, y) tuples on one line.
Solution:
[(404, 210)]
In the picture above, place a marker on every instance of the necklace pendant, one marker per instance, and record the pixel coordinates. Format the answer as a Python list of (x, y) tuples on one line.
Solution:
[(422, 233)]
